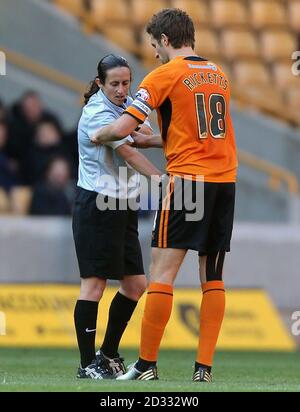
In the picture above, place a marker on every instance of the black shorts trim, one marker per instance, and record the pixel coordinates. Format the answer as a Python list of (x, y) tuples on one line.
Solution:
[(210, 234), (106, 242)]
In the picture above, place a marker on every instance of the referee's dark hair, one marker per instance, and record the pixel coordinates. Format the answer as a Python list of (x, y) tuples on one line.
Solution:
[(106, 63)]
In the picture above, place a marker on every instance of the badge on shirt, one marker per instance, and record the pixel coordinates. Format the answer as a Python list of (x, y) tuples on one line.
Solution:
[(143, 94)]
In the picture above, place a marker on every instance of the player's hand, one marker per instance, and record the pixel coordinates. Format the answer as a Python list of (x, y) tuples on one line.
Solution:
[(140, 140)]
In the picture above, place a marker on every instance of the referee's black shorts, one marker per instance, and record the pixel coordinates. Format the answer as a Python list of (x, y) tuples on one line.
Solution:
[(209, 234), (106, 242)]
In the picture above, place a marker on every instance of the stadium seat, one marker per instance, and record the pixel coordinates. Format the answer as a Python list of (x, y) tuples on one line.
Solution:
[(264, 95), (278, 45), (197, 9), (150, 64), (141, 11), (283, 75), (105, 12), (239, 44), (206, 44), (75, 7), (223, 66), (294, 14), (267, 13), (4, 202), (121, 35), (292, 98), (227, 13), (20, 198), (251, 73)]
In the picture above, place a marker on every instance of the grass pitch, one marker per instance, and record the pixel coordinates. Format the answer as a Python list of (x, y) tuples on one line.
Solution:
[(53, 370)]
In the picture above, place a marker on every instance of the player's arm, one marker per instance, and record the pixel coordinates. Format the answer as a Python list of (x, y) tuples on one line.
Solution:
[(138, 161), (143, 141), (117, 130)]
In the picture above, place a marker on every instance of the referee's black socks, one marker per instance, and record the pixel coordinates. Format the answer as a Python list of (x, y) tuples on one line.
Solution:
[(120, 311), (85, 318)]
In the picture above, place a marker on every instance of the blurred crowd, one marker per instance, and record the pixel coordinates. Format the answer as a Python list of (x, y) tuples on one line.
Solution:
[(36, 153)]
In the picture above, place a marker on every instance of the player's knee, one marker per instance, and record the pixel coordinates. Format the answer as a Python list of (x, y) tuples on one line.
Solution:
[(165, 276)]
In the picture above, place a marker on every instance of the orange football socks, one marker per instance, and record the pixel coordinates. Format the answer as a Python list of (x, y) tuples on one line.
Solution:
[(211, 317), (157, 312)]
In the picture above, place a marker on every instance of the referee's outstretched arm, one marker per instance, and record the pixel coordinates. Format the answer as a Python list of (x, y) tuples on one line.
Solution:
[(137, 160)]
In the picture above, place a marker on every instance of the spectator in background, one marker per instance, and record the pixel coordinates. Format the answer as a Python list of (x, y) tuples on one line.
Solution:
[(2, 111), (71, 148), (8, 167), (46, 145), (25, 116), (51, 195)]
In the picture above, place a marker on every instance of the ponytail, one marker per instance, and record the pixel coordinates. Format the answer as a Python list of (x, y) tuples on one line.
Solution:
[(93, 88)]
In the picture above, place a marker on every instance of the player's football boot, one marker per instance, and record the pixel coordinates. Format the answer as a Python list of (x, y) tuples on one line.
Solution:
[(93, 371), (202, 374), (133, 374), (115, 366)]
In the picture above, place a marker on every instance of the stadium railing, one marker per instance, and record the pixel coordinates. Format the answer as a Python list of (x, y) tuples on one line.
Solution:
[(43, 71)]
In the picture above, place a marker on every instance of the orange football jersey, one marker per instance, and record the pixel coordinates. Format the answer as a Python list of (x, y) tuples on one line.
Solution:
[(191, 96)]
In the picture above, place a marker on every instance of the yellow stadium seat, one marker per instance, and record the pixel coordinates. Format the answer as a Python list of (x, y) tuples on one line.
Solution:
[(206, 44), (239, 44), (104, 12), (223, 66), (4, 202), (121, 35), (196, 9), (150, 63), (75, 7), (266, 13), (227, 13), (265, 95), (141, 11), (284, 76), (278, 44), (20, 198), (248, 73), (294, 14), (292, 98)]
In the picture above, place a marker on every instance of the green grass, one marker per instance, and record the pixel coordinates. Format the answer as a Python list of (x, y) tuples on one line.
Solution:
[(49, 370)]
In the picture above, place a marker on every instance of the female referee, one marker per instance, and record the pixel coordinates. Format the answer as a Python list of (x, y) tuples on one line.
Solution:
[(106, 241)]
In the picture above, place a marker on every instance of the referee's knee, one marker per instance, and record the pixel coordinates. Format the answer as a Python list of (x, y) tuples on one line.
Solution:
[(134, 287), (92, 289)]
